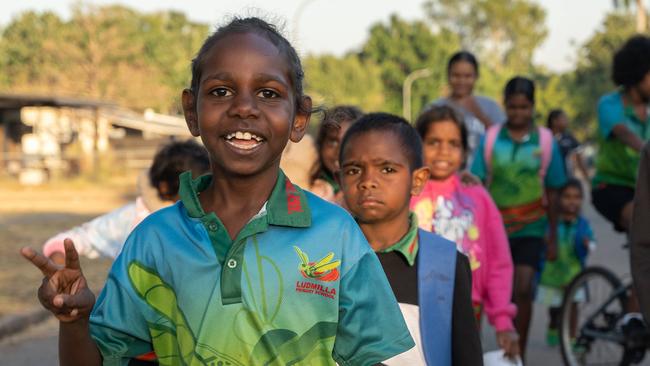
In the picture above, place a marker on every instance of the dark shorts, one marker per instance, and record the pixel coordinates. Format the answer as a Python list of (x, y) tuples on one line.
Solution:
[(609, 200), (527, 251)]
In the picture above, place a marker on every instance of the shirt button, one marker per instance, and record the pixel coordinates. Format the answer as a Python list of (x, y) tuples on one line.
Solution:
[(232, 263), (213, 227)]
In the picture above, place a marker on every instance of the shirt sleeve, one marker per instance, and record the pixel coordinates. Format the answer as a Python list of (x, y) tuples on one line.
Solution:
[(556, 174), (103, 235), (465, 341), (498, 306), (371, 328), (117, 324), (478, 164), (610, 114)]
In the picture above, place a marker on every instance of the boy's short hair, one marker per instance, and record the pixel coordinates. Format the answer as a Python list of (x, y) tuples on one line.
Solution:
[(385, 122), (175, 158), (572, 183)]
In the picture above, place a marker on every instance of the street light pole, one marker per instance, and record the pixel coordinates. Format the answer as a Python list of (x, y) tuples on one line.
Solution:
[(295, 20), (406, 90)]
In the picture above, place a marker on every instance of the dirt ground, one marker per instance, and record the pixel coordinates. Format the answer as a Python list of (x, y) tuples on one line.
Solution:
[(30, 215)]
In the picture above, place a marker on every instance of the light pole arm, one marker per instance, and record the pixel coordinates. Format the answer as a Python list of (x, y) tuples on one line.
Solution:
[(406, 90)]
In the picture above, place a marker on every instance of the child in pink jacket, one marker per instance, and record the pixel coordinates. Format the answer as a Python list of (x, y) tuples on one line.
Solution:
[(467, 216)]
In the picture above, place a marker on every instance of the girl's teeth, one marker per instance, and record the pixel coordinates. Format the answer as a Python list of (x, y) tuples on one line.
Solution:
[(239, 135), (247, 136)]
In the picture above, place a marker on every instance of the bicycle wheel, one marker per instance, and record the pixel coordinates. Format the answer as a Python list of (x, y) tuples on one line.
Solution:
[(594, 302)]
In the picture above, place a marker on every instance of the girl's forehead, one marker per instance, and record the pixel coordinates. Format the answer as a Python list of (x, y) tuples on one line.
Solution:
[(237, 50)]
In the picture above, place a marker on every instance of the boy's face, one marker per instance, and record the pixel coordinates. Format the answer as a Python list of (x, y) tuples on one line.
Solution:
[(244, 108), (570, 201), (376, 179)]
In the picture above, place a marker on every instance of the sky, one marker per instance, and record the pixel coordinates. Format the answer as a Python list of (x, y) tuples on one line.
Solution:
[(337, 26)]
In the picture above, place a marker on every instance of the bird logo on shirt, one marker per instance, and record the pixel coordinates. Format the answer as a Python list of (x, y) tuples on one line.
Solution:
[(322, 270)]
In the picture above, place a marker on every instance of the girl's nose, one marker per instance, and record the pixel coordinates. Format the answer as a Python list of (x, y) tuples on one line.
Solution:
[(244, 106)]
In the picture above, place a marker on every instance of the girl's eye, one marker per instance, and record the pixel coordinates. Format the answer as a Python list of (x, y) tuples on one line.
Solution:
[(332, 143), (268, 94), (388, 170), (221, 92)]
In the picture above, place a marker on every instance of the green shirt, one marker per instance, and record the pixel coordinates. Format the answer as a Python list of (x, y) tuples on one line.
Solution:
[(408, 244), (298, 285), (616, 163)]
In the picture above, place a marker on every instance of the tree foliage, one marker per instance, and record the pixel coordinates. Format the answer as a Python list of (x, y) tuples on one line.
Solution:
[(505, 33), (112, 53)]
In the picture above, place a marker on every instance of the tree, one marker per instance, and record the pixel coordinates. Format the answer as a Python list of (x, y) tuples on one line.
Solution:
[(641, 15), (401, 47), (347, 80), (503, 33), (592, 76), (112, 53)]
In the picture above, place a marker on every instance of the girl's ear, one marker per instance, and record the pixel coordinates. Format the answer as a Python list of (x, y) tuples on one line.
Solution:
[(189, 110), (301, 119), (419, 178)]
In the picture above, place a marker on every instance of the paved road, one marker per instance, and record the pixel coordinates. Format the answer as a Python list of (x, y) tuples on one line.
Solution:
[(37, 345)]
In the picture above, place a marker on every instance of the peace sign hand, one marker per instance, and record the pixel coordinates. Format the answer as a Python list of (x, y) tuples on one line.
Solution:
[(64, 290)]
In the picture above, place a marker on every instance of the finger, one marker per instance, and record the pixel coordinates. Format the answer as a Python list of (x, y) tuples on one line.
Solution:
[(71, 255), (47, 267), (74, 303)]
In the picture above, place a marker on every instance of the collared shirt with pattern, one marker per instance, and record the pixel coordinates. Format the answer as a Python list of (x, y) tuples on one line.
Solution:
[(298, 285)]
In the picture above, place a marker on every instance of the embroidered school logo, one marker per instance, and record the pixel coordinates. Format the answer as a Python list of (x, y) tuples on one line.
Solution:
[(322, 270)]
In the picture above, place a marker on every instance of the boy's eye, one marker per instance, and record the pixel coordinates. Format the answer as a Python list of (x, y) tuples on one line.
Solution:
[(351, 171), (221, 92), (387, 170), (268, 94)]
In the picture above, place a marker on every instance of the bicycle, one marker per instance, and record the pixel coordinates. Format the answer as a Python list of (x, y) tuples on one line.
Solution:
[(593, 330)]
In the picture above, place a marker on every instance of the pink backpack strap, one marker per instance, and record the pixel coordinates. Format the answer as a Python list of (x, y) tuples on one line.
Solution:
[(546, 147), (488, 147)]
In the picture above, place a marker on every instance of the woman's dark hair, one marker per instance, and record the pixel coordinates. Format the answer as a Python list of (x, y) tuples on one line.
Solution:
[(632, 62), (261, 28), (438, 114), (572, 183), (552, 116), (462, 56), (520, 85), (175, 158), (408, 137)]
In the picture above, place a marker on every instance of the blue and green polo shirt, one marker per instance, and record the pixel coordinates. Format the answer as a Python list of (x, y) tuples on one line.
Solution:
[(298, 285), (515, 175), (616, 163)]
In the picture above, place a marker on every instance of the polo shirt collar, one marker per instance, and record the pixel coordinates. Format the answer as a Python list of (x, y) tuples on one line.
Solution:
[(532, 136), (286, 206), (408, 244)]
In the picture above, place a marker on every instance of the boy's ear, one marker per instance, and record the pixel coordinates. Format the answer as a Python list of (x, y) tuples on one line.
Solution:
[(419, 178), (301, 120), (189, 110)]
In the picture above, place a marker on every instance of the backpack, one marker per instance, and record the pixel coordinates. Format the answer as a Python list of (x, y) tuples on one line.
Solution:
[(436, 279), (545, 143)]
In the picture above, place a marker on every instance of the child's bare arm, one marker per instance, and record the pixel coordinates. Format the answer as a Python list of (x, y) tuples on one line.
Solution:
[(65, 293), (623, 134)]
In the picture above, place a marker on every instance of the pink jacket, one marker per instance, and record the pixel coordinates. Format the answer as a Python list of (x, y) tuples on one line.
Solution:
[(469, 217)]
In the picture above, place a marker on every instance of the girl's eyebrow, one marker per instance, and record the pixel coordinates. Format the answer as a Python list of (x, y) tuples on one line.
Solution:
[(265, 77), (224, 76)]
